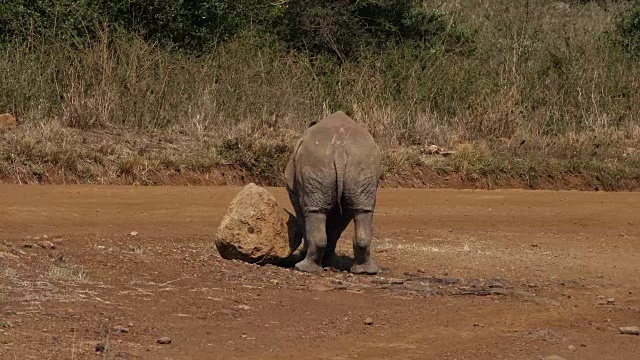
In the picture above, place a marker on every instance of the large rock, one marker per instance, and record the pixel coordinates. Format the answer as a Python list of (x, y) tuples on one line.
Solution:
[(253, 229), (7, 122)]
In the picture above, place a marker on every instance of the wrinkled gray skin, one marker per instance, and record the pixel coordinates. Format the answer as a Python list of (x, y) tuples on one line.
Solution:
[(332, 178)]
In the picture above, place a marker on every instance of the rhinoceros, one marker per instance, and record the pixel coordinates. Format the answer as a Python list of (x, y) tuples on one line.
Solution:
[(332, 178)]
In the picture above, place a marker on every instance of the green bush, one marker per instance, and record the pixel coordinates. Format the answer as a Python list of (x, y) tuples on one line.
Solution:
[(341, 28), (22, 20), (346, 28), (196, 24), (628, 30)]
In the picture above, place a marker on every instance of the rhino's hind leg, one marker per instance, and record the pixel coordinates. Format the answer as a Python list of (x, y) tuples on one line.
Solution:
[(363, 264), (336, 225), (315, 227)]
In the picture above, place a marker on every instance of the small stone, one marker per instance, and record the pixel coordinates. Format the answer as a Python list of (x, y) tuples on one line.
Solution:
[(121, 329), (27, 246), (130, 324), (571, 347), (629, 330), (611, 301), (164, 340), (18, 252), (100, 347), (47, 245), (554, 357), (133, 233), (368, 321)]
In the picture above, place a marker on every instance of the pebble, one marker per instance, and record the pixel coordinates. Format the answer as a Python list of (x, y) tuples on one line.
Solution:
[(611, 301), (121, 329), (47, 245), (133, 233), (571, 347), (18, 252), (554, 357), (164, 340), (630, 330), (368, 321), (27, 245), (100, 347)]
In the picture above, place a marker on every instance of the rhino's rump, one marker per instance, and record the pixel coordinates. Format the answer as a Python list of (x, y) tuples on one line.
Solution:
[(335, 173)]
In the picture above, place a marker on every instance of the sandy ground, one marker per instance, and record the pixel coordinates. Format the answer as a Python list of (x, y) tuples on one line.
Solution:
[(469, 275)]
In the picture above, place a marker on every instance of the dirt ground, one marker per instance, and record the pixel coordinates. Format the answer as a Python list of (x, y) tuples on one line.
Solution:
[(468, 275)]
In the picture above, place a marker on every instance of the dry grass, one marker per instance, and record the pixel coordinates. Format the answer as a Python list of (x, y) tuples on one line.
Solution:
[(545, 101), (68, 273)]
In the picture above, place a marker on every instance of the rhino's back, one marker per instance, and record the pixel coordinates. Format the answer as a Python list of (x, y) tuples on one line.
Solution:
[(336, 133)]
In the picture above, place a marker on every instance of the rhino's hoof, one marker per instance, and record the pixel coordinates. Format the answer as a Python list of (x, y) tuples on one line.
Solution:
[(308, 267), (369, 268)]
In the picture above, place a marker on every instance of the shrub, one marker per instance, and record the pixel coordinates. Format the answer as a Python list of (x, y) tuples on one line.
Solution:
[(193, 25), (345, 28), (628, 30)]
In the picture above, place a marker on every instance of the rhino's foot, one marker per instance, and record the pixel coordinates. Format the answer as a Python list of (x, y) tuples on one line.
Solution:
[(369, 268), (308, 266)]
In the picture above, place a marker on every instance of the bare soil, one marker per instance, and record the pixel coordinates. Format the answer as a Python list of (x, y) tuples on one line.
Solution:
[(469, 274)]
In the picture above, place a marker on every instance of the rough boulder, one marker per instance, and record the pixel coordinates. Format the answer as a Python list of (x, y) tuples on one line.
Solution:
[(253, 229)]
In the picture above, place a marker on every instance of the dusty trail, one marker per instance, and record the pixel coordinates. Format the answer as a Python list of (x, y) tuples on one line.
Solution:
[(471, 275)]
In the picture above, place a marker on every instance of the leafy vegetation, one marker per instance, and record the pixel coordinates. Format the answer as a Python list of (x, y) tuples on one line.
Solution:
[(628, 30), (343, 27), (142, 91), (346, 28)]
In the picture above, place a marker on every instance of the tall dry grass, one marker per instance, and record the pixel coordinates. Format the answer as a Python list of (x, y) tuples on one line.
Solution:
[(545, 96)]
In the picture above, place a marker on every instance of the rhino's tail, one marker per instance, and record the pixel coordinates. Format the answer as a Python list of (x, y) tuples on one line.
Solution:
[(340, 165)]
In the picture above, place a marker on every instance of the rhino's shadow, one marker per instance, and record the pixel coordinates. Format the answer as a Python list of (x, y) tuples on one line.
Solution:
[(338, 262)]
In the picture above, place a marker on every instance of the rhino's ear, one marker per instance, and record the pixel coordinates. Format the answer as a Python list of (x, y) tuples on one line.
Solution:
[(290, 170), (289, 213), (289, 175), (294, 233)]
